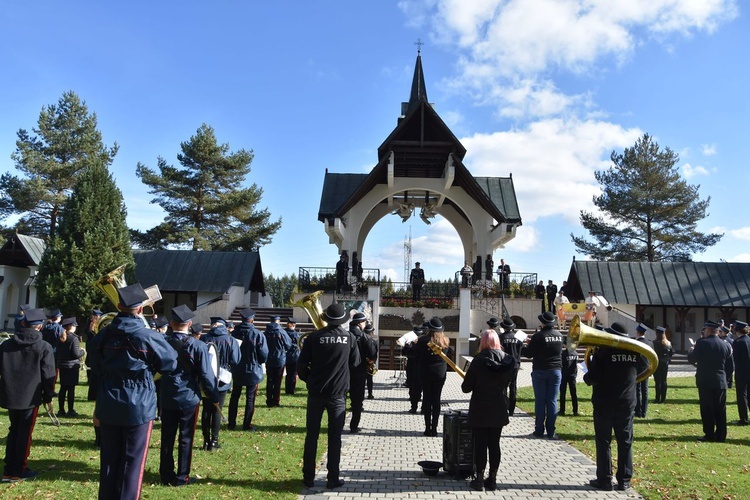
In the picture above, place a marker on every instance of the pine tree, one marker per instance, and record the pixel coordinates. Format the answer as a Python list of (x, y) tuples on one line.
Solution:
[(51, 161), (649, 212), (207, 209), (92, 240)]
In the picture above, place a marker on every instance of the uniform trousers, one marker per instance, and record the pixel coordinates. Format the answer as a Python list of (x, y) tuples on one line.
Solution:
[(290, 382), (370, 384), (274, 374), (412, 380), (432, 389), (123, 460), (486, 439), (569, 381), (173, 421), (357, 397), (211, 418), (742, 388), (660, 381), (609, 417), (18, 442), (641, 399), (513, 391), (546, 384), (335, 406), (251, 391), (713, 404)]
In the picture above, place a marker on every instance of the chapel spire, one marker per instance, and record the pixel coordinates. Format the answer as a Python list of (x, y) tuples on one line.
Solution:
[(418, 88)]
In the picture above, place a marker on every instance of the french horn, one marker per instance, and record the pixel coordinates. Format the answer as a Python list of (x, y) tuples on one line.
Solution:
[(584, 335)]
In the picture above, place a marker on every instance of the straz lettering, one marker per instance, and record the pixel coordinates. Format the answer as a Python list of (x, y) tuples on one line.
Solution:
[(333, 340), (553, 339), (629, 358)]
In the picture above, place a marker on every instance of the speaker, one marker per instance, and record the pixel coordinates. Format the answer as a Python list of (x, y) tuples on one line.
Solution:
[(457, 445)]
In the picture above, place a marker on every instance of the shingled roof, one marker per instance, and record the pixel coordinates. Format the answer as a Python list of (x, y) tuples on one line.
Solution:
[(198, 271), (22, 251), (688, 284)]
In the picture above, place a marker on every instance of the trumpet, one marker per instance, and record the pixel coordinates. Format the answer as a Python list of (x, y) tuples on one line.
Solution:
[(439, 351), (579, 334)]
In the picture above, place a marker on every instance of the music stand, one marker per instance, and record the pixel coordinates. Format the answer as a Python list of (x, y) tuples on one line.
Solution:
[(401, 373)]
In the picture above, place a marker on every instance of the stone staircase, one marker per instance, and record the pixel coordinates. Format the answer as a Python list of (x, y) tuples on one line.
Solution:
[(263, 316)]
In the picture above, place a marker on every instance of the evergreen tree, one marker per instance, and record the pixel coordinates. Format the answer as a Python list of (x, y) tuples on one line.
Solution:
[(207, 209), (648, 211), (282, 289), (92, 240), (66, 141)]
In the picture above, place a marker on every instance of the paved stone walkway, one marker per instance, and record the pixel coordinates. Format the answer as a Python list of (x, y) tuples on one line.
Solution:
[(381, 460)]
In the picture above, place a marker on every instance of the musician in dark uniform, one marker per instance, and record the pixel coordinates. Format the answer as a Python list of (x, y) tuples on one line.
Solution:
[(292, 355), (712, 358), (741, 355), (358, 374), (641, 389), (248, 374), (612, 374), (324, 364), (569, 379), (228, 353), (416, 278), (278, 344), (181, 397), (664, 351), (93, 378), (126, 354), (369, 330), (545, 349), (53, 330), (432, 373), (512, 347), (18, 320), (342, 269), (412, 370), (27, 379)]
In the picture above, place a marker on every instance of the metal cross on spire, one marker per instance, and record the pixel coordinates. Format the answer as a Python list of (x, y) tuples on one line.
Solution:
[(419, 44)]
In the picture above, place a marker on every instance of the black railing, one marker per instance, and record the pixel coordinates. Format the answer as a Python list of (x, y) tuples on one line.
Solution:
[(435, 294), (324, 278)]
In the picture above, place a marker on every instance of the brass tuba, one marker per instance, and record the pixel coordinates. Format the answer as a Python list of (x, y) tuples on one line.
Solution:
[(579, 334), (311, 304), (109, 283)]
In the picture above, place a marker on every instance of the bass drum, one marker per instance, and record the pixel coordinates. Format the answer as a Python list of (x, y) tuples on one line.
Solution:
[(213, 360)]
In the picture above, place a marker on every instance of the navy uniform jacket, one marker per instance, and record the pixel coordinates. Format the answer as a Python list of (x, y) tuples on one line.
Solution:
[(612, 373), (367, 350), (227, 350), (27, 371), (545, 349), (325, 360), (51, 333), (644, 362), (712, 358), (126, 355), (292, 355), (569, 363), (278, 344), (741, 355), (512, 346), (181, 389), (487, 379), (253, 353)]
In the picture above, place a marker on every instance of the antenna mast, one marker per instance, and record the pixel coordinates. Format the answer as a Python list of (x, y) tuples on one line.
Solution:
[(407, 256)]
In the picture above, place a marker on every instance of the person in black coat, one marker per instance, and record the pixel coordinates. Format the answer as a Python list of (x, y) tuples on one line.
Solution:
[(664, 351), (92, 377), (487, 379), (741, 356), (358, 375), (369, 331), (432, 373), (612, 374), (641, 390), (292, 355), (712, 358), (69, 356), (27, 379), (569, 379), (248, 374), (412, 371), (324, 363), (512, 347), (279, 344)]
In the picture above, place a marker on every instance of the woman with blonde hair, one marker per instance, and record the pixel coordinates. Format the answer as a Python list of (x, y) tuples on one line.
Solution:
[(432, 372), (664, 351), (487, 379)]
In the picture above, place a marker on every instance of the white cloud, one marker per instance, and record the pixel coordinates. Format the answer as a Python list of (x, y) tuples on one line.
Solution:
[(690, 171), (526, 240), (742, 233), (552, 162), (743, 257), (708, 149)]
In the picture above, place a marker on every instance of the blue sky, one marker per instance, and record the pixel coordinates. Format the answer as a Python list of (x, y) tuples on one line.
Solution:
[(540, 89)]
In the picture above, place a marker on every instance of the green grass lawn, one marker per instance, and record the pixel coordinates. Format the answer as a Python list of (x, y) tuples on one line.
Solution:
[(263, 464), (668, 462)]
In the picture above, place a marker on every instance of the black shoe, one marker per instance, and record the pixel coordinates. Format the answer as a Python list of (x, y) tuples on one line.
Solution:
[(249, 428), (73, 414), (601, 485), (413, 411), (355, 430), (537, 434), (575, 413), (231, 427), (370, 396), (308, 482), (561, 413), (334, 484), (476, 484), (433, 433), (704, 439), (427, 432), (62, 414), (623, 486), (490, 484), (553, 437), (214, 446)]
